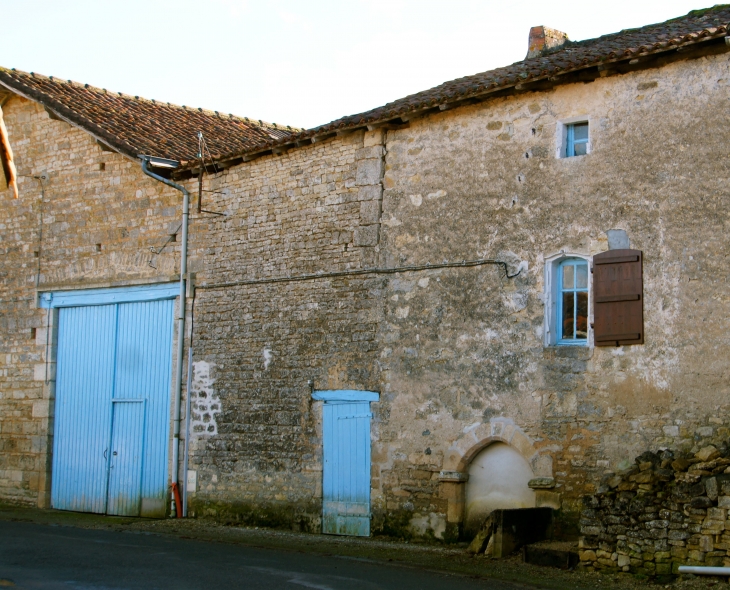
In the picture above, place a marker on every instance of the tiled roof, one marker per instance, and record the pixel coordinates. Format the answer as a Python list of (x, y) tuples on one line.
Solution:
[(694, 28), (134, 125)]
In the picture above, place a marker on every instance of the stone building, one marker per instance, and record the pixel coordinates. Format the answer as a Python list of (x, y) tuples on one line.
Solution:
[(423, 273)]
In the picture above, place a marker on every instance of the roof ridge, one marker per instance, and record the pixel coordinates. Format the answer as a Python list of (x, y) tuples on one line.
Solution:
[(536, 61), (171, 105), (692, 13), (627, 44)]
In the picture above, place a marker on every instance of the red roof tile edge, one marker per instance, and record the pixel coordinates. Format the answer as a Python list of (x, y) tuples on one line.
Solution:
[(13, 80)]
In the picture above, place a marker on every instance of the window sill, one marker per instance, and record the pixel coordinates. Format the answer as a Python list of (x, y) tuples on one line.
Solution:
[(579, 352)]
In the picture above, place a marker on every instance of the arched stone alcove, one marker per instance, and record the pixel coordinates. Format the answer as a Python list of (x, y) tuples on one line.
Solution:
[(499, 477), (463, 451)]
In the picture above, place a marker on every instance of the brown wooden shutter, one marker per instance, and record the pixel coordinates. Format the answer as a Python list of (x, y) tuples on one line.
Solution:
[(618, 298)]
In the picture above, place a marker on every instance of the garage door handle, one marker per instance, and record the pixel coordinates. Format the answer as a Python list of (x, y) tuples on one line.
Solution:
[(105, 450)]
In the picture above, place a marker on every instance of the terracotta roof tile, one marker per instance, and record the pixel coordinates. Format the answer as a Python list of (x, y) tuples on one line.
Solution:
[(697, 26), (135, 125)]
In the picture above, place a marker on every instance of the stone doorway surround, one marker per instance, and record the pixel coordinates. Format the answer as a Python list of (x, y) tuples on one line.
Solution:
[(459, 455)]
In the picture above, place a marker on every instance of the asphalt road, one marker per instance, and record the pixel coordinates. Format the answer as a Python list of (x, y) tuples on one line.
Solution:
[(68, 558)]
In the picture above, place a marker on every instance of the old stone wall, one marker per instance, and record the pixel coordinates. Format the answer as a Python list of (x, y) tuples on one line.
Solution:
[(459, 354), (461, 347), (309, 212), (92, 226), (669, 509)]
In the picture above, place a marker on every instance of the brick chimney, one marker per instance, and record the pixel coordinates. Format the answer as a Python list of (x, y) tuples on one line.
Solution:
[(542, 39)]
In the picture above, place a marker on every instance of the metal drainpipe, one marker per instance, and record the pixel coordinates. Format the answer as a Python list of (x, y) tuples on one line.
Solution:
[(180, 323)]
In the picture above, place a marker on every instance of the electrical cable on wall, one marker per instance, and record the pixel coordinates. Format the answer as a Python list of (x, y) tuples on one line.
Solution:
[(367, 271)]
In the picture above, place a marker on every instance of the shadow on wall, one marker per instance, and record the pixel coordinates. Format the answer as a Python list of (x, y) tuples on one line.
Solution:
[(498, 478)]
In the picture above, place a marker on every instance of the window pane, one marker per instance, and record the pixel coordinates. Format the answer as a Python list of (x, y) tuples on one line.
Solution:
[(568, 315), (581, 327), (580, 149), (580, 131), (568, 280), (581, 276)]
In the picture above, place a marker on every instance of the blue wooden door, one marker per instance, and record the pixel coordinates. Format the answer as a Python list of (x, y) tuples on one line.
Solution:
[(113, 390), (346, 477)]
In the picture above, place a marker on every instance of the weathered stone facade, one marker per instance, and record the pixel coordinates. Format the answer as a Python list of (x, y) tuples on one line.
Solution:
[(460, 347), (93, 225), (458, 353), (313, 210)]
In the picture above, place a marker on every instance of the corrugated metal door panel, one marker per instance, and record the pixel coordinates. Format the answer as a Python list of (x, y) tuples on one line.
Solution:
[(346, 469), (143, 370), (125, 464), (84, 382)]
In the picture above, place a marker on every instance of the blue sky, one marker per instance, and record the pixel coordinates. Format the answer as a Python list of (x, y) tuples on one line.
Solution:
[(292, 62)]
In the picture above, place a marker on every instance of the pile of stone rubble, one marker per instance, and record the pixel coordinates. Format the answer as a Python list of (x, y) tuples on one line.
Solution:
[(671, 509)]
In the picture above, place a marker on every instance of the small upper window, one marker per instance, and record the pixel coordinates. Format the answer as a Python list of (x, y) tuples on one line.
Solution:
[(576, 143), (572, 302)]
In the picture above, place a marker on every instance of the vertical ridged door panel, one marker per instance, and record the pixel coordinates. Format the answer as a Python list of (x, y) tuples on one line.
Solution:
[(143, 368), (346, 469), (125, 464), (84, 383)]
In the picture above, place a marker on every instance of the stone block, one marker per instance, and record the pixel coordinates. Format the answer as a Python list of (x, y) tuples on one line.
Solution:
[(696, 555), (679, 552), (523, 445), (369, 193), (538, 483), (369, 172), (370, 152), (707, 453), (587, 555), (542, 466), (508, 432), (369, 212), (367, 235), (41, 409), (498, 426), (39, 372), (716, 514), (373, 138), (711, 488), (706, 543), (663, 568), (671, 430), (482, 432)]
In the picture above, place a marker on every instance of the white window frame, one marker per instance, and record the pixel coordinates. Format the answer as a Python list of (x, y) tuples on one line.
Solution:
[(550, 295), (561, 139)]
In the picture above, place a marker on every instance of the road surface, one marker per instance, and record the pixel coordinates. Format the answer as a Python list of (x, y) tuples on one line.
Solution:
[(59, 557)]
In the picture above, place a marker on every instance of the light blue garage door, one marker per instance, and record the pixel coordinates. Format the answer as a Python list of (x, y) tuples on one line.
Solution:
[(112, 413)]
